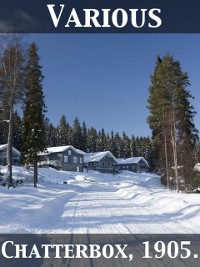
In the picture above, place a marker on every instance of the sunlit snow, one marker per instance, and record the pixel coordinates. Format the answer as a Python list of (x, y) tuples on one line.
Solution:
[(91, 202)]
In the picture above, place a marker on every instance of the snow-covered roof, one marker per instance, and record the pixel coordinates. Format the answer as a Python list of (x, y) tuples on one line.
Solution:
[(131, 160), (96, 157), (58, 149), (2, 147)]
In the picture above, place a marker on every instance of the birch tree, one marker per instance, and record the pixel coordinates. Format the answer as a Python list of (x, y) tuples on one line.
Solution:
[(12, 88)]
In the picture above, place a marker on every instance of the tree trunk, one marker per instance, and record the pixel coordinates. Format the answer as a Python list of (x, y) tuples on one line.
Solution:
[(9, 149), (13, 84), (175, 152), (166, 161), (35, 176)]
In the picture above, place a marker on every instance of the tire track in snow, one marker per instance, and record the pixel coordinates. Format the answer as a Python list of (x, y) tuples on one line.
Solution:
[(89, 214), (112, 213), (99, 208)]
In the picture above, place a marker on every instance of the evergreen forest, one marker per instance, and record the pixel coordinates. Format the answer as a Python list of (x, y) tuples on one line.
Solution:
[(172, 150)]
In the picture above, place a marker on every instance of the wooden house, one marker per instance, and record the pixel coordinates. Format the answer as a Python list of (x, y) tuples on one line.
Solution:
[(133, 164), (16, 155), (100, 161), (65, 158)]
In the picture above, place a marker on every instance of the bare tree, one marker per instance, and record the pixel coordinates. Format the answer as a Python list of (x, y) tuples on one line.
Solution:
[(11, 87)]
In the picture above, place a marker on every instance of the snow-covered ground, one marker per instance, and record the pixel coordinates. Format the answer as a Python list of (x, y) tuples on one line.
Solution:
[(91, 202)]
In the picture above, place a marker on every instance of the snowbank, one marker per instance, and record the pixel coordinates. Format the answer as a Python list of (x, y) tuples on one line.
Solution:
[(67, 202)]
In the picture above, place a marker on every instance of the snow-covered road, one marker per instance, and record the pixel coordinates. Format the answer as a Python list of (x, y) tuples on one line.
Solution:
[(98, 203)]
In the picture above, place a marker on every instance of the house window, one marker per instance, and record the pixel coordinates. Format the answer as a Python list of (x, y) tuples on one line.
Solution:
[(69, 152), (65, 158), (59, 155), (81, 160), (74, 159)]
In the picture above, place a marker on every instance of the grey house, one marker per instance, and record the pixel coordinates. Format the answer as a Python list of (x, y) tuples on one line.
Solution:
[(16, 155), (65, 158), (134, 164), (101, 161)]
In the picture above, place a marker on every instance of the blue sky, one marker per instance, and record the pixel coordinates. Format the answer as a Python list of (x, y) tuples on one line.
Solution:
[(103, 79)]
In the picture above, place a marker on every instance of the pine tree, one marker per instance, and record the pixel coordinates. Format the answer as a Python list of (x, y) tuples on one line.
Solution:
[(107, 143), (133, 147), (77, 134), (150, 154), (112, 145), (63, 131), (171, 120), (126, 145), (70, 135), (92, 140), (34, 121), (119, 146), (84, 136), (101, 141), (51, 134)]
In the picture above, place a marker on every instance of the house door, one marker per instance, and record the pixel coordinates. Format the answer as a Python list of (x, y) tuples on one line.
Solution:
[(77, 169)]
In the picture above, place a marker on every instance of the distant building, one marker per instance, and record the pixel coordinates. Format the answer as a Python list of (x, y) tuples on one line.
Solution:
[(65, 158), (100, 161), (134, 164), (16, 155)]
